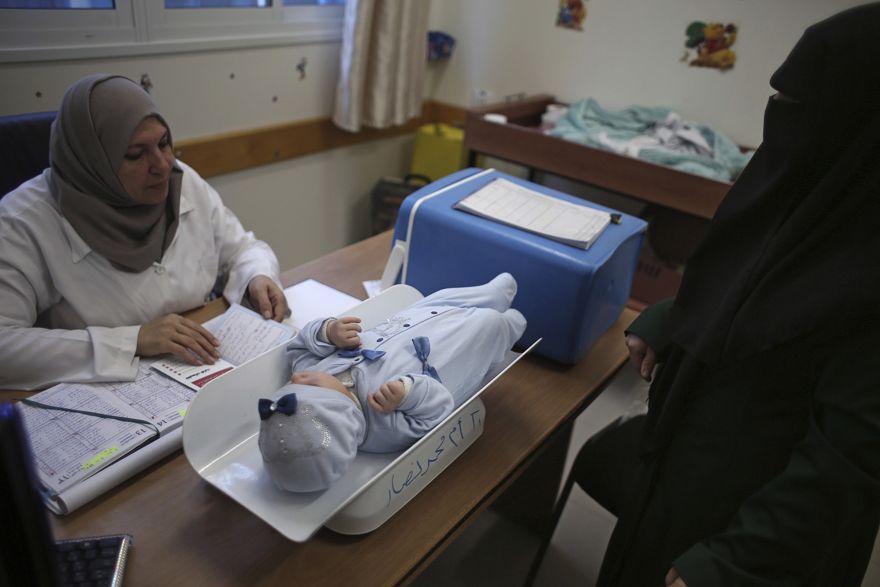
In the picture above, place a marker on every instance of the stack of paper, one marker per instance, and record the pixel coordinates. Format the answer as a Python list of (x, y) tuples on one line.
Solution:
[(509, 203)]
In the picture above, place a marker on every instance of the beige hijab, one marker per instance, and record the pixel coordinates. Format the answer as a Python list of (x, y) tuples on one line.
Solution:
[(89, 138)]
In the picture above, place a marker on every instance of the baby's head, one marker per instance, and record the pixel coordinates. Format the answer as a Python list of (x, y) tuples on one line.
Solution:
[(308, 436)]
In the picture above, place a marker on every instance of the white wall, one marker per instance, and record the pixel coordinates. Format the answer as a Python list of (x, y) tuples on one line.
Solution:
[(194, 90), (310, 206), (303, 207), (628, 53)]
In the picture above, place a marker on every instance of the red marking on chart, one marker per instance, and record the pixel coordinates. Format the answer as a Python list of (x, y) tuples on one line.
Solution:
[(205, 380)]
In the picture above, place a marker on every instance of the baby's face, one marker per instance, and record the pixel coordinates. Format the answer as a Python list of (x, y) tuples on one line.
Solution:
[(325, 381)]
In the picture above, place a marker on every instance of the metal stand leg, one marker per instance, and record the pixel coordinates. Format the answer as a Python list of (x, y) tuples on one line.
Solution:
[(472, 159), (548, 534)]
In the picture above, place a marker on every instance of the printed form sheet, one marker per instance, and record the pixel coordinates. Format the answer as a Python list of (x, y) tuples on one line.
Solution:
[(509, 203)]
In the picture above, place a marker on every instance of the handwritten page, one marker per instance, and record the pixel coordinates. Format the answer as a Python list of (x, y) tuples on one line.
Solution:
[(243, 335), (509, 203)]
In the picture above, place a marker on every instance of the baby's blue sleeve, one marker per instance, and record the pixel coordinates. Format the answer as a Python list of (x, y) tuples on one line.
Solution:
[(306, 349), (426, 405)]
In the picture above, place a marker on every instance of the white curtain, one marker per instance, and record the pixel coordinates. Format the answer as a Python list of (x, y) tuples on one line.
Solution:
[(384, 53)]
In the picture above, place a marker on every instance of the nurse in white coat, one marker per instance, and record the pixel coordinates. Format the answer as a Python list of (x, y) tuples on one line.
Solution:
[(100, 252)]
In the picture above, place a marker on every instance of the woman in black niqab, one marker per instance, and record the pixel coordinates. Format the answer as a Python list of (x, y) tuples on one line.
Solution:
[(760, 454), (787, 249)]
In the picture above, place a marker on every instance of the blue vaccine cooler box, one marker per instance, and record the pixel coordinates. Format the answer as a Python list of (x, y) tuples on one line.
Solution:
[(569, 296)]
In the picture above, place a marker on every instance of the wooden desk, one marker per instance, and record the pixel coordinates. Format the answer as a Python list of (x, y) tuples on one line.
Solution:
[(188, 533)]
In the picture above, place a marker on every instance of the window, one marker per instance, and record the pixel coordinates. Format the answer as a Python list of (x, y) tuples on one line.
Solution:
[(32, 30), (46, 4), (242, 3), (216, 3), (108, 4)]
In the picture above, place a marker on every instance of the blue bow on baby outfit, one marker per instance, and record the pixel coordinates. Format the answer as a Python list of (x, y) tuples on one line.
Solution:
[(423, 349), (368, 354), (284, 405)]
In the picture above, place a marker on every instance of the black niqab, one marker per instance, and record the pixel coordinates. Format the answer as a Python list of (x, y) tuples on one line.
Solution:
[(795, 245)]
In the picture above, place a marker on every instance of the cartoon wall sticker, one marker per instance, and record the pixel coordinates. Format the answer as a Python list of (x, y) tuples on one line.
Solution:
[(708, 45), (571, 14)]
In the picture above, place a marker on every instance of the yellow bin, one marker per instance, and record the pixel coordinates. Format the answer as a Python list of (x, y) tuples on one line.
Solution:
[(439, 151)]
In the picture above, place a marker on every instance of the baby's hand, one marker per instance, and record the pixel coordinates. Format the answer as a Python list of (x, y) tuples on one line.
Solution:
[(389, 396), (343, 332)]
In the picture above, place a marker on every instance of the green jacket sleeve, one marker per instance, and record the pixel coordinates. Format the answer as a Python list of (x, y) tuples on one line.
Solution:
[(652, 325), (806, 525)]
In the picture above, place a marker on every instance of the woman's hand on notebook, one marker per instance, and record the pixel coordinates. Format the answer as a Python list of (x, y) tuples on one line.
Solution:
[(174, 334)]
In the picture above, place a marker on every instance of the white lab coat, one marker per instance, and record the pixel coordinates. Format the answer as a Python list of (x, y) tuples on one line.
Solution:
[(66, 314)]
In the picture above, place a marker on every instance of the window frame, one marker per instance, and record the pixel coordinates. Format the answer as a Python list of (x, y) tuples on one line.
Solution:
[(144, 27)]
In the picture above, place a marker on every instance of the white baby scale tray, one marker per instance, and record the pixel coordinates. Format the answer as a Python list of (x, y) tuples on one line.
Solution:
[(221, 429)]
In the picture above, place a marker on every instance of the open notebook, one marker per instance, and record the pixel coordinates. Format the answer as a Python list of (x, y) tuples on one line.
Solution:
[(89, 437), (78, 429)]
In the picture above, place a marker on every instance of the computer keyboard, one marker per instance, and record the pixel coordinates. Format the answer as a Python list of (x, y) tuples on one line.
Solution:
[(92, 562)]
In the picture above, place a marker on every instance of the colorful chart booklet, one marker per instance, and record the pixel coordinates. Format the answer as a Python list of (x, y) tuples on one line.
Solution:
[(77, 430)]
